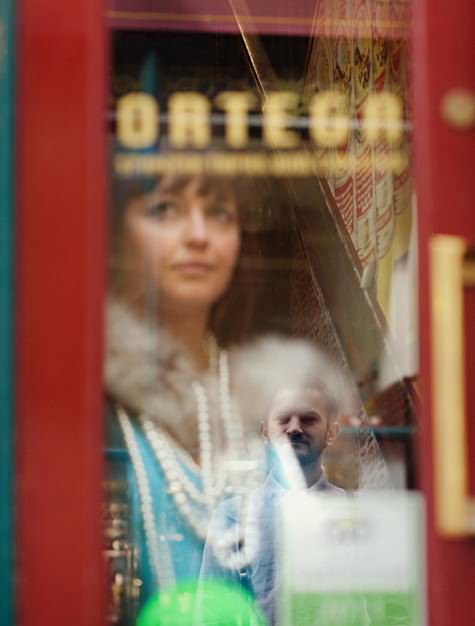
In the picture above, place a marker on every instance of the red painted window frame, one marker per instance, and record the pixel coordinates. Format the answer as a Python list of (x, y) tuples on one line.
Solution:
[(60, 139), (442, 59), (61, 214)]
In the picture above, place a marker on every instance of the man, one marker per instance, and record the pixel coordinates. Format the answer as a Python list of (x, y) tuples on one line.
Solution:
[(302, 421), (306, 421)]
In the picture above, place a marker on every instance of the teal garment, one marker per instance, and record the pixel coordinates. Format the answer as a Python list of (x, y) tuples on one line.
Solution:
[(184, 547)]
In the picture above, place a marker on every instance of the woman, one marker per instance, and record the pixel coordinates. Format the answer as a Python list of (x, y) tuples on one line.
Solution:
[(180, 283), (175, 437)]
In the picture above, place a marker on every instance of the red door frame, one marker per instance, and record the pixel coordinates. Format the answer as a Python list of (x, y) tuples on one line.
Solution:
[(60, 283), (443, 36), (60, 278)]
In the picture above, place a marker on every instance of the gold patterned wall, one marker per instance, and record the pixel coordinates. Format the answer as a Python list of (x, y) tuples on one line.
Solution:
[(373, 201)]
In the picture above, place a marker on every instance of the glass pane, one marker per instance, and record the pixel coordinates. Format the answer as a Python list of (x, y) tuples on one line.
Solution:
[(261, 315)]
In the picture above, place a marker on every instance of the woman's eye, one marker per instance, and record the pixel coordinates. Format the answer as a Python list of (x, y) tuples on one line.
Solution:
[(162, 210), (222, 213)]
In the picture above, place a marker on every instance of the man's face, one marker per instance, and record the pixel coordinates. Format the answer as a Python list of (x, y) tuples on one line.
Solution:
[(303, 419)]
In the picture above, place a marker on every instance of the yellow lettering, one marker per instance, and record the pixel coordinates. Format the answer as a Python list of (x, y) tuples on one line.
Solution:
[(189, 120), (236, 104), (137, 120), (276, 120), (383, 117), (329, 119)]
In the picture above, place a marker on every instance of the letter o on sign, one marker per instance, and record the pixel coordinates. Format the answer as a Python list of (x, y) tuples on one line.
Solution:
[(137, 120)]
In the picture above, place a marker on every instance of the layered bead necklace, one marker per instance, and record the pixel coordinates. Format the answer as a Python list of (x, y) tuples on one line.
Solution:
[(193, 504)]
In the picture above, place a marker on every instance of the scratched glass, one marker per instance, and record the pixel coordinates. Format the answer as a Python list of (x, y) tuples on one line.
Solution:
[(261, 309)]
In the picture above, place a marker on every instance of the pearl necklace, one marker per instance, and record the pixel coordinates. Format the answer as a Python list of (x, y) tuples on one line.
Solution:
[(158, 551), (225, 547), (194, 505)]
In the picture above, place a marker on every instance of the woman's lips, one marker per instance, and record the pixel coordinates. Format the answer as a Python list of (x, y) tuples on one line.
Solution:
[(193, 268)]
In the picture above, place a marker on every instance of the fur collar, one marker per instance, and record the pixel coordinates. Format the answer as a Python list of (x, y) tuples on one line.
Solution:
[(148, 372)]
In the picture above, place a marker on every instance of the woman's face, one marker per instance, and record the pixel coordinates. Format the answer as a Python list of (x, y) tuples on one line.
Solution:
[(182, 241)]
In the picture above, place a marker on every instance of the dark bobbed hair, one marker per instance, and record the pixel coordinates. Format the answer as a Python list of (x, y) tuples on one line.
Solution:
[(232, 317)]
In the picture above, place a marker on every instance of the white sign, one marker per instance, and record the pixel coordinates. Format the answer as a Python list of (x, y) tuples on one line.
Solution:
[(351, 560)]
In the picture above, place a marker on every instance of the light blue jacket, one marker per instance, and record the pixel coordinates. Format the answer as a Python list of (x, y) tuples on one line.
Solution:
[(258, 516)]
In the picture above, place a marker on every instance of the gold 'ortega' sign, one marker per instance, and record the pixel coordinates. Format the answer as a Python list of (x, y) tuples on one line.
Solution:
[(318, 142)]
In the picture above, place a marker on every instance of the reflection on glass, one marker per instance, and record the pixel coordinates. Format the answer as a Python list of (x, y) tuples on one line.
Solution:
[(176, 252), (300, 421), (283, 208)]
